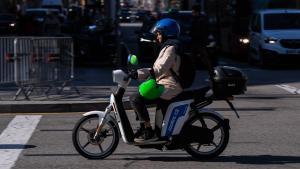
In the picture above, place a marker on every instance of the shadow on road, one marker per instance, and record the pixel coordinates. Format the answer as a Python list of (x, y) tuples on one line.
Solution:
[(16, 146), (175, 157), (261, 159), (256, 160)]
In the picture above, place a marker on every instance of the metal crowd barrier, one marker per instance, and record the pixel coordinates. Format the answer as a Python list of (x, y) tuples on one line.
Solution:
[(32, 62)]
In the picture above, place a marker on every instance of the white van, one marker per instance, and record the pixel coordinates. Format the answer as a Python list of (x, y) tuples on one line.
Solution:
[(275, 36)]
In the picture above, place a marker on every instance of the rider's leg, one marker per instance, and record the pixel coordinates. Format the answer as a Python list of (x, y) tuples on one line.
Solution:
[(139, 106), (138, 103)]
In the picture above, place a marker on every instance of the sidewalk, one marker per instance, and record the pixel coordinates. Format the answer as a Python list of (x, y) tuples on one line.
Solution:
[(94, 84)]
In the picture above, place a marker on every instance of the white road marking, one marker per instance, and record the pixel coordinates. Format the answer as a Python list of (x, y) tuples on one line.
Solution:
[(289, 88), (15, 137)]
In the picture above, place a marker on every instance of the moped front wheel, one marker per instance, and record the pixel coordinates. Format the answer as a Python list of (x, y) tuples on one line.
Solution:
[(91, 147)]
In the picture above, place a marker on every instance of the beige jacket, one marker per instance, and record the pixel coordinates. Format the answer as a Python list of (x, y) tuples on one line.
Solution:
[(167, 59)]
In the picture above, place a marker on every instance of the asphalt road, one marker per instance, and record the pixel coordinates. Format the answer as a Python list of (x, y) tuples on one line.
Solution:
[(266, 136)]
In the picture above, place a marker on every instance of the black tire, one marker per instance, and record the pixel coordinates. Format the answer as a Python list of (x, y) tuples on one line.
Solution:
[(264, 62), (81, 149), (251, 60), (224, 127)]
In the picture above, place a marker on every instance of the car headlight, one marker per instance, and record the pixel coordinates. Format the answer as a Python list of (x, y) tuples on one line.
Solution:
[(271, 40), (12, 24), (244, 41), (92, 27)]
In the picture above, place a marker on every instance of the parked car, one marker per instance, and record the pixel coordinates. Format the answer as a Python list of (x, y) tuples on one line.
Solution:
[(8, 24), (140, 14), (35, 20), (125, 15), (95, 44), (53, 4), (38, 14), (275, 36)]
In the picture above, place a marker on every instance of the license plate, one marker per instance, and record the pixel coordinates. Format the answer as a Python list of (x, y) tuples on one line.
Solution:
[(293, 51)]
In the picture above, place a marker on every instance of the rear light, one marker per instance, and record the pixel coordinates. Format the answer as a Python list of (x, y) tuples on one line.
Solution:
[(9, 57), (53, 58)]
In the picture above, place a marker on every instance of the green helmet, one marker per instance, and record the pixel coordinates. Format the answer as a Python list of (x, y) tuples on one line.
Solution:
[(150, 89)]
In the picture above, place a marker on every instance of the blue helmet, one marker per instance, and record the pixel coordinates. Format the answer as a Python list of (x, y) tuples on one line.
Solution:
[(169, 28)]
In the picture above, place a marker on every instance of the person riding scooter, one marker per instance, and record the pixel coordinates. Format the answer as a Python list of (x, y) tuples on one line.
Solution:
[(166, 32)]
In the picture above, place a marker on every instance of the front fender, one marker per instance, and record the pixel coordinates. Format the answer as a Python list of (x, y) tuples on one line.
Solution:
[(101, 115)]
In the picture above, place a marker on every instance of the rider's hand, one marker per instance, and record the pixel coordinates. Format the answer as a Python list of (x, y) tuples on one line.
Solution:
[(133, 74)]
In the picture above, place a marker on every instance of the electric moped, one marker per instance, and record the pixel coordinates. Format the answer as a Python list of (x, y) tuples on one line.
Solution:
[(180, 123)]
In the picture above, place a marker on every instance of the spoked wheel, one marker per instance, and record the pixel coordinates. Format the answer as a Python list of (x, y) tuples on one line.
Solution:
[(89, 146), (218, 142)]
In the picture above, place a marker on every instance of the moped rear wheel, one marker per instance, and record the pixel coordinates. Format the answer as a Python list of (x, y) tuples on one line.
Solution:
[(220, 131), (95, 148)]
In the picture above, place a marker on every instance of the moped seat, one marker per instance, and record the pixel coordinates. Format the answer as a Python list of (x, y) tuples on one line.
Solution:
[(198, 95)]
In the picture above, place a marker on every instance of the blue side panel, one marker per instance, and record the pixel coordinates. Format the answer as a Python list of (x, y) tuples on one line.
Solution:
[(177, 112)]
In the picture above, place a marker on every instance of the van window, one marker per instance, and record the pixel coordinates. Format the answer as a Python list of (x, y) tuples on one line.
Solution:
[(282, 21)]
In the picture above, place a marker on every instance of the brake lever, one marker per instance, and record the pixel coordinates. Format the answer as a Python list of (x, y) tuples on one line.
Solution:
[(233, 108)]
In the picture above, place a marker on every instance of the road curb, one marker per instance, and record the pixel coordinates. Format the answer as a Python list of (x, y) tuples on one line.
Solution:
[(56, 107)]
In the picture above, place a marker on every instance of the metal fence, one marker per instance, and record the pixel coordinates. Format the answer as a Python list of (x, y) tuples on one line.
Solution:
[(31, 62)]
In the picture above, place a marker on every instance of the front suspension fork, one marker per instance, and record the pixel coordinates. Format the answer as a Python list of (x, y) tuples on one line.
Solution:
[(102, 121)]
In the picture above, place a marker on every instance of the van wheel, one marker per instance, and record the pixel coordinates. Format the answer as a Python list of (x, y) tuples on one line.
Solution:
[(251, 60)]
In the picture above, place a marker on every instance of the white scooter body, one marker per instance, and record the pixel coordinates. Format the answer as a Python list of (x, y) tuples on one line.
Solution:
[(174, 127), (176, 115)]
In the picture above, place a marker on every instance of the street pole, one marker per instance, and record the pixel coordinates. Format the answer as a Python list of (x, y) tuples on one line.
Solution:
[(218, 23)]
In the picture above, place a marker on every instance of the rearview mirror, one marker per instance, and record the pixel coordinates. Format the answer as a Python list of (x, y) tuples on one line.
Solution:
[(147, 37), (133, 60)]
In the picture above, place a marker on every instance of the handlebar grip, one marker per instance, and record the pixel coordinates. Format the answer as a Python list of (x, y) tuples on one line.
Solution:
[(133, 74)]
